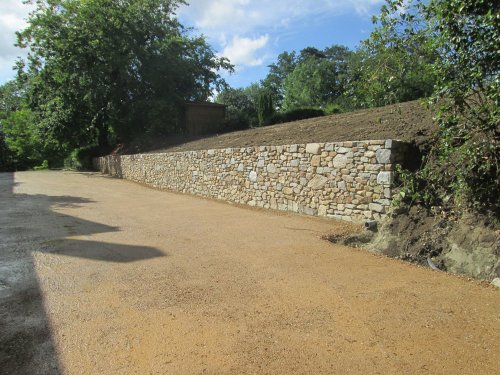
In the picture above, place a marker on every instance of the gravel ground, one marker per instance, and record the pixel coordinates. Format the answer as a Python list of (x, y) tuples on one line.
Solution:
[(103, 276)]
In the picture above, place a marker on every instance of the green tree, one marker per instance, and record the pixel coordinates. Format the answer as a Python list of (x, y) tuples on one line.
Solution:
[(241, 111), (265, 107), (22, 142), (467, 155), (395, 64), (22, 138), (463, 167), (319, 78), (113, 68), (275, 79)]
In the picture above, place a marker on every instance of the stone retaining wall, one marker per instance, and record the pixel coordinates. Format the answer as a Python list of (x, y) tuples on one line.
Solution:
[(345, 180)]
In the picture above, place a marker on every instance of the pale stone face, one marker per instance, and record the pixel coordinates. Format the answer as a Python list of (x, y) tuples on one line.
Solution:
[(383, 156), (344, 180), (313, 148)]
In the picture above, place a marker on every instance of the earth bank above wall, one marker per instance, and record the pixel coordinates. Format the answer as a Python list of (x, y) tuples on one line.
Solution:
[(342, 180)]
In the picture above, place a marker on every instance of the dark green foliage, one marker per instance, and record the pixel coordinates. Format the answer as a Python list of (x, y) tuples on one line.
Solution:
[(294, 115), (313, 78), (319, 78), (80, 159), (395, 63), (105, 69), (22, 138), (468, 151), (278, 72), (241, 107), (333, 108), (463, 168), (10, 101), (6, 155), (265, 107), (22, 145)]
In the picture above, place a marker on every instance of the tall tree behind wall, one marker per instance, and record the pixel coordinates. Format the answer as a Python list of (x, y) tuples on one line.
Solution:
[(395, 64), (318, 79), (102, 69)]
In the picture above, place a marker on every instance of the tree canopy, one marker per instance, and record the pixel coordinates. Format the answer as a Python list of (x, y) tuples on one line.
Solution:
[(113, 68), (318, 78)]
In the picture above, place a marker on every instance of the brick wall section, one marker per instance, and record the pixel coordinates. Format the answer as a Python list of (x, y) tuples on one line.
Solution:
[(345, 180)]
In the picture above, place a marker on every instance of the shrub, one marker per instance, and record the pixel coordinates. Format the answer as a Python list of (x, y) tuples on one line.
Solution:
[(333, 108), (80, 159), (43, 166)]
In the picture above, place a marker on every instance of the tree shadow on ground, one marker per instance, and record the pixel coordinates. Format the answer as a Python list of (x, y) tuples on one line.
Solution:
[(102, 251), (28, 224)]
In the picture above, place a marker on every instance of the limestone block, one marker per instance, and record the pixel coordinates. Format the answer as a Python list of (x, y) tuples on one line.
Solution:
[(385, 178), (387, 193), (309, 211), (373, 167), (369, 154), (339, 161), (384, 202), (292, 206), (384, 156), (271, 168), (252, 176), (317, 182), (342, 150), (316, 160), (313, 148), (376, 207), (329, 147)]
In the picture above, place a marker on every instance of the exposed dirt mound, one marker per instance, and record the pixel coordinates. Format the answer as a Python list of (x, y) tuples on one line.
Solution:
[(468, 246), (405, 121)]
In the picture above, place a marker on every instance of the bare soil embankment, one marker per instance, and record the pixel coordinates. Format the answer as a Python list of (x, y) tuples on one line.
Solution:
[(410, 122)]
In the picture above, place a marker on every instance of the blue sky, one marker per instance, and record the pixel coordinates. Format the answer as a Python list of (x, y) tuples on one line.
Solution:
[(251, 33)]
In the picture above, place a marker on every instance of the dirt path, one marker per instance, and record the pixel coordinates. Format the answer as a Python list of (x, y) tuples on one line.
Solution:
[(102, 276)]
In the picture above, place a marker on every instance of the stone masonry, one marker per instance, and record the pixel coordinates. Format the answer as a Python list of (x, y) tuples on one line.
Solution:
[(345, 180)]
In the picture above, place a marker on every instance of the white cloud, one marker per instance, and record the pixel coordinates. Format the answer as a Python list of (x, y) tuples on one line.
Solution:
[(365, 7), (242, 16), (247, 24), (242, 51), (13, 14)]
